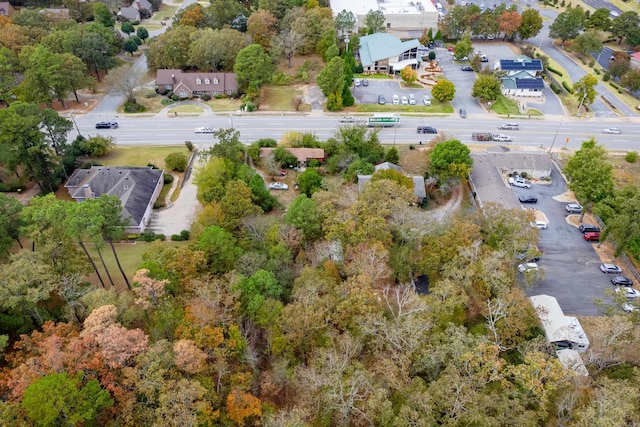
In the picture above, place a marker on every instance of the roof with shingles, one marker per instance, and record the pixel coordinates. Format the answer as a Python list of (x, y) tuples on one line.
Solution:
[(302, 154), (217, 82)]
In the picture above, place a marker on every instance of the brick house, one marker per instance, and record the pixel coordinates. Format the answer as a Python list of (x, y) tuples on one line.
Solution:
[(188, 85)]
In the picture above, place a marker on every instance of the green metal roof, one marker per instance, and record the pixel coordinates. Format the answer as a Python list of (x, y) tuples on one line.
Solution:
[(379, 46)]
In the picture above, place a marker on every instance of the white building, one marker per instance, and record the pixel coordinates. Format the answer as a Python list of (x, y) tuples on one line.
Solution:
[(401, 15), (563, 331)]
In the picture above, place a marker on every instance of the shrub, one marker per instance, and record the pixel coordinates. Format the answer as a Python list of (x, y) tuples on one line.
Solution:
[(567, 87), (162, 91), (606, 76), (174, 97), (597, 71), (132, 236), (613, 85), (359, 69), (248, 106), (313, 163), (168, 178), (176, 238), (152, 166), (592, 63), (412, 147), (281, 79), (221, 96), (176, 162), (185, 234), (524, 174), (631, 156), (189, 145), (555, 88), (206, 97), (132, 106), (150, 236), (554, 71)]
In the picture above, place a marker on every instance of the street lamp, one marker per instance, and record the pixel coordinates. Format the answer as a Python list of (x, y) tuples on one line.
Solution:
[(231, 120), (555, 136), (74, 122)]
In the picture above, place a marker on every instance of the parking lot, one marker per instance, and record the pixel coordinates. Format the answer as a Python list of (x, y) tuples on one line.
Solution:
[(569, 264), (388, 88)]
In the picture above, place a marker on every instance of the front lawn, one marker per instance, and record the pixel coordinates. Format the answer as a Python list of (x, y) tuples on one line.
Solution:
[(505, 106), (435, 108), (281, 98), (140, 155)]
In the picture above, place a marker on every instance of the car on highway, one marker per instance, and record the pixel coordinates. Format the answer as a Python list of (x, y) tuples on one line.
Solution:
[(278, 186), (426, 100), (426, 129), (501, 137), (612, 130), (204, 129), (614, 14), (106, 125), (463, 113), (527, 267), (528, 199), (629, 292), (573, 208), (405, 100), (588, 227), (466, 68), (381, 99), (396, 100), (349, 119), (508, 126), (621, 281), (540, 225), (591, 236), (610, 268)]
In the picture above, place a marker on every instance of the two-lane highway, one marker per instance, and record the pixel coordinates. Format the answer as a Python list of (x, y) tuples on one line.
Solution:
[(533, 132)]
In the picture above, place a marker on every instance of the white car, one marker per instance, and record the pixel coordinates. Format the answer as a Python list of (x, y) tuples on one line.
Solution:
[(204, 129), (278, 186), (528, 267), (405, 100), (610, 268), (412, 99), (629, 291), (349, 119), (573, 208), (396, 99), (614, 14), (541, 225), (426, 100), (356, 82), (518, 181), (509, 126), (612, 130), (501, 137), (629, 308)]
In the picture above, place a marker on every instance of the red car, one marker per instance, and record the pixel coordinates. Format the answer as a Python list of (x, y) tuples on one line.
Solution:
[(592, 236)]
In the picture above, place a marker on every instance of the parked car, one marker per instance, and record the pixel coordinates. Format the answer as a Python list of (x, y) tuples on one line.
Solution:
[(412, 99), (396, 100), (588, 227), (426, 100), (204, 129), (405, 100), (527, 267), (629, 292), (466, 68), (356, 82), (508, 126), (381, 99), (463, 113), (518, 181), (591, 236), (541, 225), (621, 281), (528, 199), (349, 119), (278, 186), (106, 125), (610, 268), (611, 130), (365, 82), (573, 208), (627, 307), (426, 129)]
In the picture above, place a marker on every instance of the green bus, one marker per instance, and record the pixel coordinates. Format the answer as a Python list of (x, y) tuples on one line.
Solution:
[(383, 120)]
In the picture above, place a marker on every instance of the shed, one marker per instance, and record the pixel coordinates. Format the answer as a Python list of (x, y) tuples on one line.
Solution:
[(563, 331)]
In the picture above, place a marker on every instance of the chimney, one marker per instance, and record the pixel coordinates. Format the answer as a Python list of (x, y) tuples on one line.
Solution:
[(88, 194), (173, 77)]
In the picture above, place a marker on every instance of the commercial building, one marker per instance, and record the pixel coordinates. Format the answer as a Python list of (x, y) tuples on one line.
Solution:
[(401, 15)]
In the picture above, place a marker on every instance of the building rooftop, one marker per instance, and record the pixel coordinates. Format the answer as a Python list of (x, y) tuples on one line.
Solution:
[(379, 46), (395, 7)]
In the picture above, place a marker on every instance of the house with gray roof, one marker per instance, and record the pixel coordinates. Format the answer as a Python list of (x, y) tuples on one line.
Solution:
[(137, 10), (188, 85), (137, 188), (419, 188), (387, 53)]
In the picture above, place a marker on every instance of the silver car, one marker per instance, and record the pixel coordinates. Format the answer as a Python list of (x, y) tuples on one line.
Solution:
[(573, 208)]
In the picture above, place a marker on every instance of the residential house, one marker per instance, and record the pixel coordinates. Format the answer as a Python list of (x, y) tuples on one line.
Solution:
[(137, 188), (521, 76), (385, 53), (302, 154), (139, 9), (6, 9), (419, 188), (188, 85), (634, 60), (400, 15)]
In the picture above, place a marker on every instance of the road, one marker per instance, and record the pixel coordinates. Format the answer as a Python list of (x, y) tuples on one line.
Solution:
[(533, 132)]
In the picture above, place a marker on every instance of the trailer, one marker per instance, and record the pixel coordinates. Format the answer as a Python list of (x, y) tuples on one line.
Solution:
[(383, 120), (482, 136)]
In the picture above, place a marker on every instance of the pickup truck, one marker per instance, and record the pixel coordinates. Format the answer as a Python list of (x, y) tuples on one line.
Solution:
[(518, 181)]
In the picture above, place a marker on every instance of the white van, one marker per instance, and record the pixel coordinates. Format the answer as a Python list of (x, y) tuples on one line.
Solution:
[(439, 6)]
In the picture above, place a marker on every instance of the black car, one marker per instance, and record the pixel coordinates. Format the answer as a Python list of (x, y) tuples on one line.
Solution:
[(106, 125), (466, 68), (463, 113), (426, 129), (585, 228), (528, 199), (621, 281), (381, 100)]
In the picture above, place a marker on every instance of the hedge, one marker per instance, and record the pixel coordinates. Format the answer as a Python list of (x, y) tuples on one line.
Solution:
[(555, 88), (613, 85), (554, 71), (567, 87)]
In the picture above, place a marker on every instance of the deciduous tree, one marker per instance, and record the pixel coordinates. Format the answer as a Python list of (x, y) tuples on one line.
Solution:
[(253, 67), (444, 90), (584, 89), (451, 160), (568, 24), (509, 23), (531, 24), (486, 88), (262, 27), (590, 173), (374, 21)]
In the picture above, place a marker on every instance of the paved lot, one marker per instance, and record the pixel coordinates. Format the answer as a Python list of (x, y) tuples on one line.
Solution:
[(569, 263), (388, 88)]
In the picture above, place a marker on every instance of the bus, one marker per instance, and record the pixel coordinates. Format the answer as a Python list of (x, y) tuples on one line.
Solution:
[(383, 120)]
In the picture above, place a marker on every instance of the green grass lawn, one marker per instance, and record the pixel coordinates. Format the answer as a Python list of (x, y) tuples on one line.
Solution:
[(186, 110), (505, 106), (130, 256), (435, 108), (165, 13), (278, 98), (140, 155)]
